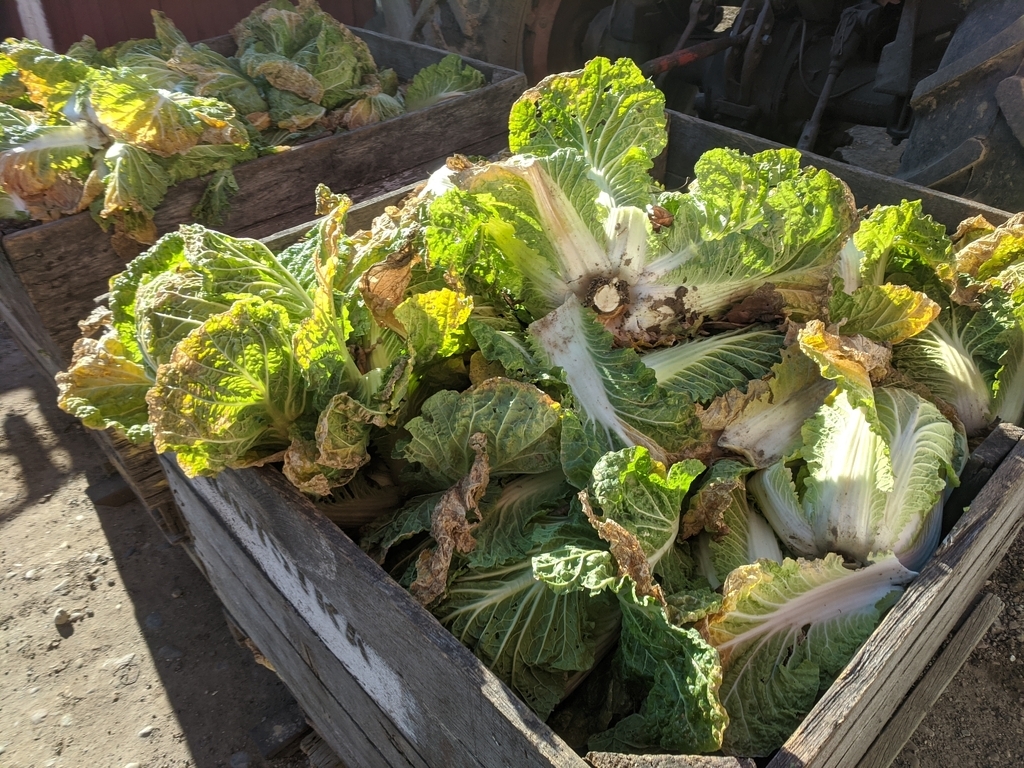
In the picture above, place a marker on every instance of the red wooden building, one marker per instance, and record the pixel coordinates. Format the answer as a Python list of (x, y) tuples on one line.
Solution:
[(59, 23)]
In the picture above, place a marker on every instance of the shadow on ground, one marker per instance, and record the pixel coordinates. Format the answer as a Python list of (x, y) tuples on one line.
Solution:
[(170, 613)]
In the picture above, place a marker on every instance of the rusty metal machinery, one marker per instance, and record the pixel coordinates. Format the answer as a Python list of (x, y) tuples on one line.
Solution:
[(800, 72)]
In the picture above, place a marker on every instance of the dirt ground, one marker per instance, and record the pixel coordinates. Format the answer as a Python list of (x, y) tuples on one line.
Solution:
[(147, 675)]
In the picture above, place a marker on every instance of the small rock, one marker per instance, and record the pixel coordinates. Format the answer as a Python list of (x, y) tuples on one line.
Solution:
[(62, 585), (117, 607), (77, 616), (3, 748), (176, 592), (90, 576), (239, 760), (133, 765), (79, 517), (169, 652), (61, 617), (30, 574), (92, 557), (11, 574), (79, 663), (110, 582), (89, 613), (65, 545), (66, 721), (146, 731), (38, 716), (154, 620), (53, 644), (34, 690)]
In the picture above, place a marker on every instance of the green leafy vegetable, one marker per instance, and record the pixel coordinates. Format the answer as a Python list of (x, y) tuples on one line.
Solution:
[(447, 79), (785, 632)]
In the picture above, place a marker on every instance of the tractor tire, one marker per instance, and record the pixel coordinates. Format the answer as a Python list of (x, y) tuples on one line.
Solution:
[(537, 37), (967, 137)]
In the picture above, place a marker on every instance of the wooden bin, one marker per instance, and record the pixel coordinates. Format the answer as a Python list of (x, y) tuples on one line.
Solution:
[(51, 274), (386, 685)]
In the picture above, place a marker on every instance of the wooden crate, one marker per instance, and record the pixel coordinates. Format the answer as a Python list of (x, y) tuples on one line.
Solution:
[(60, 267), (51, 274), (386, 685)]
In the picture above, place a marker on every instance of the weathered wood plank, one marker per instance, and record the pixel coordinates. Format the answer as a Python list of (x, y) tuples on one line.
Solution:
[(440, 696), (844, 723), (983, 461), (690, 137), (320, 755), (350, 720), (17, 310), (928, 689)]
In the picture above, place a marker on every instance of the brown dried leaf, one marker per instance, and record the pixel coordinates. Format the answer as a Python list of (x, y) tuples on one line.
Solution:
[(451, 526), (259, 120), (383, 286), (99, 319), (626, 550), (481, 369), (765, 305), (707, 508)]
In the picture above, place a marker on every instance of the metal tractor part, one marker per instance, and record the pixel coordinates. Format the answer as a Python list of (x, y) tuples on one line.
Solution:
[(945, 73)]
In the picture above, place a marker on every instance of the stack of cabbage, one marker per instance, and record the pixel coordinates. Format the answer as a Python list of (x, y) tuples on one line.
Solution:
[(111, 130), (715, 427)]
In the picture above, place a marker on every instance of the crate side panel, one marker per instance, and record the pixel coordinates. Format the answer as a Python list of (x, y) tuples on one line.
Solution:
[(26, 324), (690, 137), (439, 695), (353, 724)]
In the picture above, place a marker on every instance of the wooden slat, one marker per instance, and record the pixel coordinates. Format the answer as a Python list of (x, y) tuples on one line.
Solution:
[(27, 328), (690, 137), (351, 721), (927, 691), (440, 697), (844, 723), (982, 463)]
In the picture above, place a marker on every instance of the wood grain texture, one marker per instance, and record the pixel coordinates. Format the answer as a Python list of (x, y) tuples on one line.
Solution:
[(25, 323), (63, 265), (690, 137), (319, 754), (844, 723), (439, 696), (931, 685), (983, 461), (352, 723)]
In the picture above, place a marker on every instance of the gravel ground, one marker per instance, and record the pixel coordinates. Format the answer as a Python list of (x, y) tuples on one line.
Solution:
[(143, 671)]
